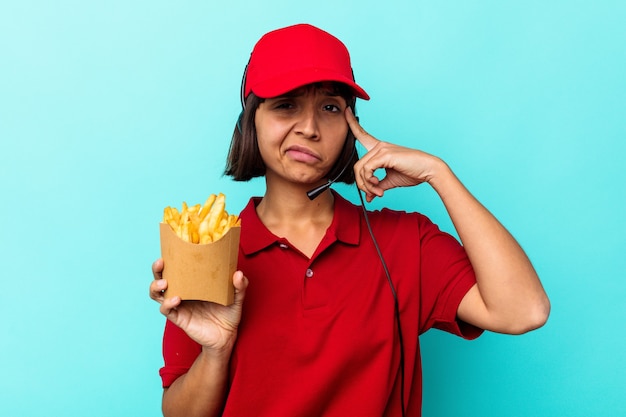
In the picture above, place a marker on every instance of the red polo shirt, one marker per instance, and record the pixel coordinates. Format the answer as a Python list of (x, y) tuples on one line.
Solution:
[(318, 336)]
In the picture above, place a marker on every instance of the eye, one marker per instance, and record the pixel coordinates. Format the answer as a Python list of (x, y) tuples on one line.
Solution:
[(332, 108), (283, 105), (279, 103)]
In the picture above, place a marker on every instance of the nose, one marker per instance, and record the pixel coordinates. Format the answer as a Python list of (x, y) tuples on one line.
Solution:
[(307, 124)]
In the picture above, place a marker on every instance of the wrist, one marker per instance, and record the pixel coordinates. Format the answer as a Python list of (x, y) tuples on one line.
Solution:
[(439, 173), (218, 353)]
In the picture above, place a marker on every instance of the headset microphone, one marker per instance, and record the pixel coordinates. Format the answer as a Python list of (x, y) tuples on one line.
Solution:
[(314, 193), (319, 190)]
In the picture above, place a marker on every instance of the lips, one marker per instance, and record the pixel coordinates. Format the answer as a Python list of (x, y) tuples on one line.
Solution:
[(302, 154)]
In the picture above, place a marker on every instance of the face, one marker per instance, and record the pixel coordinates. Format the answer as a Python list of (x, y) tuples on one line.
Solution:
[(301, 134)]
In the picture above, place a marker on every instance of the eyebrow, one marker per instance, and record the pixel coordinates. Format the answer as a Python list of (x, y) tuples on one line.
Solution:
[(326, 91)]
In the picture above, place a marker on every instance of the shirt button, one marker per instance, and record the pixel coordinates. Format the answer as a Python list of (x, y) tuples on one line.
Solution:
[(283, 246), (309, 273)]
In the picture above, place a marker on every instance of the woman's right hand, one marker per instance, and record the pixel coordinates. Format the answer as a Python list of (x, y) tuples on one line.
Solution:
[(212, 325)]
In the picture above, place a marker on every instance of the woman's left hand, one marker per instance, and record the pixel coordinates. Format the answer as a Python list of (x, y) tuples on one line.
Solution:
[(404, 167)]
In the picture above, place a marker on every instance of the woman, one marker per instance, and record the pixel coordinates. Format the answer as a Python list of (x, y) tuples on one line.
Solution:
[(322, 323)]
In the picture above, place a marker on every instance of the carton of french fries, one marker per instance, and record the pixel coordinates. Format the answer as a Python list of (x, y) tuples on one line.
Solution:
[(199, 247)]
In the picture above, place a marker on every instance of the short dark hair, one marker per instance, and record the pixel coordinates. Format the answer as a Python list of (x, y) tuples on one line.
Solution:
[(244, 160)]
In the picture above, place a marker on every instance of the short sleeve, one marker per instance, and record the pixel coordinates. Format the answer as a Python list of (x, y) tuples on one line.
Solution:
[(179, 353), (445, 278)]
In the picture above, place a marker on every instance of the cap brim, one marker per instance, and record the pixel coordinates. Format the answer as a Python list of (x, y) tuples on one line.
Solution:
[(287, 82)]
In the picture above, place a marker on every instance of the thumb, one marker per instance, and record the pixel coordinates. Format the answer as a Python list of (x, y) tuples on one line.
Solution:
[(240, 283)]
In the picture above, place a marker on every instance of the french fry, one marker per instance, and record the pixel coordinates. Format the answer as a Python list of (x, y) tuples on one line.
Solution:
[(201, 223), (215, 214), (207, 206)]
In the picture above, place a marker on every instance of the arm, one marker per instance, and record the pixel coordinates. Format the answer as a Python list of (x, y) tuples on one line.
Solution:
[(201, 391), (508, 296)]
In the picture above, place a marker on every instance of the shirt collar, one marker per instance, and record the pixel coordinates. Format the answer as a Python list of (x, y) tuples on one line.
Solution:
[(255, 237)]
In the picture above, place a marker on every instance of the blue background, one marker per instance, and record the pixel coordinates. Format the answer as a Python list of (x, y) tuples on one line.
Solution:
[(109, 111)]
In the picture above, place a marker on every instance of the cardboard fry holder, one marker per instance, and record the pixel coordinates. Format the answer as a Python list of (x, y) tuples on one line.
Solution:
[(200, 272)]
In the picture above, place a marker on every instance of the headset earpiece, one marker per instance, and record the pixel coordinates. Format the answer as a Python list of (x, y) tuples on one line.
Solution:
[(242, 90)]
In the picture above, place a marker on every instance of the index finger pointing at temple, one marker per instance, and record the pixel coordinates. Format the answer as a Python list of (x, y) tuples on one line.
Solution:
[(367, 140)]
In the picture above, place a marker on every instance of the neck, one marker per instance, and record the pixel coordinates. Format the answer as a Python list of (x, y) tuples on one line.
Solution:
[(289, 203)]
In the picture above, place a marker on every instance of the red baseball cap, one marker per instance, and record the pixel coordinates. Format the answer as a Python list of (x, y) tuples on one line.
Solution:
[(288, 58)]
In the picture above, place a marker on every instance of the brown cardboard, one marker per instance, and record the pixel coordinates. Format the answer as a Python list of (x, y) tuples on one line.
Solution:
[(200, 272)]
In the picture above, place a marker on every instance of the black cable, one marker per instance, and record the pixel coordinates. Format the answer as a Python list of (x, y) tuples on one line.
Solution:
[(395, 301)]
